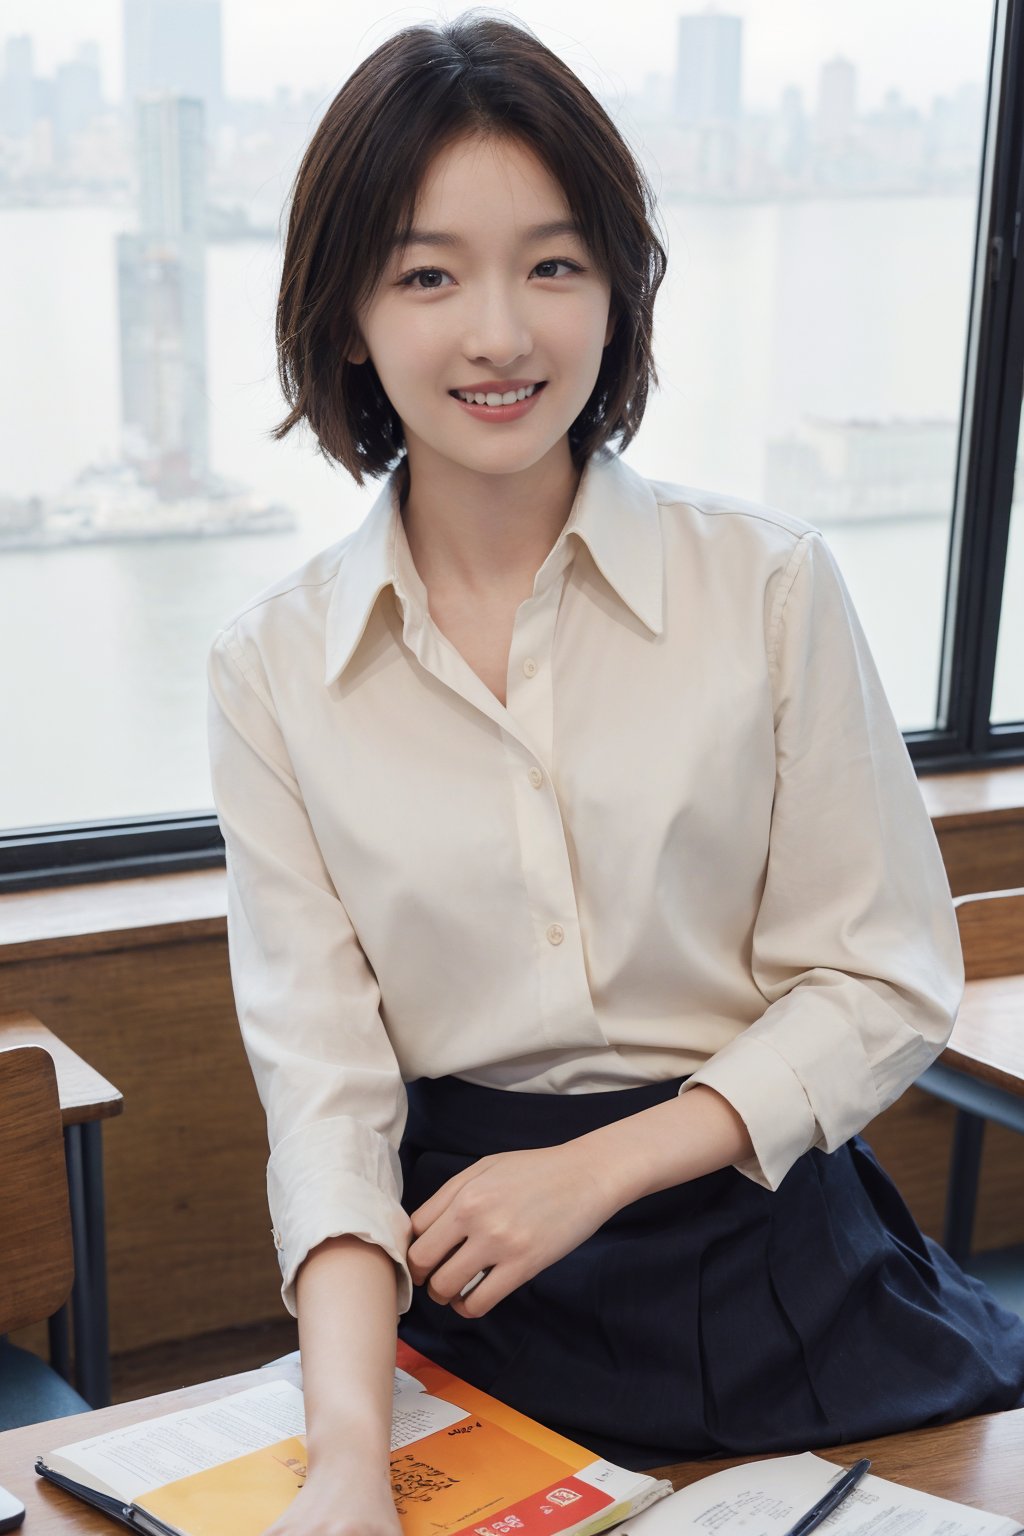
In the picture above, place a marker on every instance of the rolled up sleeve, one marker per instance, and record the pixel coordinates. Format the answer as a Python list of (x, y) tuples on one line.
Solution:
[(308, 1003), (855, 946)]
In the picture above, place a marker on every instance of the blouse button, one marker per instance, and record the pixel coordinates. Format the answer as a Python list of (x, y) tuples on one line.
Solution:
[(529, 666), (556, 933), (536, 778)]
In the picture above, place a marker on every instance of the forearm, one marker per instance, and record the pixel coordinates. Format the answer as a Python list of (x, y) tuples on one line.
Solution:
[(691, 1135), (511, 1214), (346, 1296)]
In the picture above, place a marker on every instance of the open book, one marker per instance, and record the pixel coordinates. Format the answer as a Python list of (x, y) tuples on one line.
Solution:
[(462, 1464), (766, 1498)]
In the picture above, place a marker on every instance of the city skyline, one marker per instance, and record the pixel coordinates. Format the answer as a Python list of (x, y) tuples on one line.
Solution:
[(702, 139), (694, 126), (176, 46), (922, 49)]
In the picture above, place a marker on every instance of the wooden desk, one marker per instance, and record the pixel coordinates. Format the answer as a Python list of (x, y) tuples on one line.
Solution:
[(978, 1461), (988, 1037), (86, 1100), (981, 1070), (981, 1073)]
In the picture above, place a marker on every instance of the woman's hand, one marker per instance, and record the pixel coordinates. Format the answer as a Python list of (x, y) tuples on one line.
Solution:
[(340, 1501), (511, 1215)]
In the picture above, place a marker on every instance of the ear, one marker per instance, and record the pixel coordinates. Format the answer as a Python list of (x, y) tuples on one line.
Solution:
[(610, 329), (350, 342)]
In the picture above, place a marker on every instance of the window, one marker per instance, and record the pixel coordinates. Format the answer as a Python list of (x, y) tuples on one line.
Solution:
[(841, 333), (1008, 693)]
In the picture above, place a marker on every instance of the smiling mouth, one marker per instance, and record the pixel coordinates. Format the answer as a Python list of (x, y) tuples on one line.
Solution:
[(495, 398)]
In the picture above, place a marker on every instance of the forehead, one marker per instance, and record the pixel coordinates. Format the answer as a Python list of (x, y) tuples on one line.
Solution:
[(478, 183)]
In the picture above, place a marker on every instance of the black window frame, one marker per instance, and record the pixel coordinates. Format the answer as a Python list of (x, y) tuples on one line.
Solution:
[(36, 857)]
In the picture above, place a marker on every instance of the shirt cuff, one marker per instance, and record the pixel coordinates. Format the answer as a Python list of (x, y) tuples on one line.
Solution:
[(769, 1098), (315, 1192)]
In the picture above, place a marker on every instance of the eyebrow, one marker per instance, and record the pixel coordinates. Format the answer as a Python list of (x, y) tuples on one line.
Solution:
[(550, 231)]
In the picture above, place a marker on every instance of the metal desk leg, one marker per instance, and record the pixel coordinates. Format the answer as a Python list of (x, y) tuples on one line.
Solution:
[(83, 1157), (92, 1164), (962, 1190)]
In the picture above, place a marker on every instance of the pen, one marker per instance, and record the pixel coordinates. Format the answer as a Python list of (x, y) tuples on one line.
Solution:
[(830, 1501)]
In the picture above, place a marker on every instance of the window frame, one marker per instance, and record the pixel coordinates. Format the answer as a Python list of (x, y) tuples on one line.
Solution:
[(990, 423), (37, 857)]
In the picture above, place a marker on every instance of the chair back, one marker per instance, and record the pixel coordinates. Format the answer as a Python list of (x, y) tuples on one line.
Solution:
[(37, 1265), (992, 933)]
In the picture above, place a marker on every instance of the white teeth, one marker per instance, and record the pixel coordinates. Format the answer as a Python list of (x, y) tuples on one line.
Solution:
[(493, 398)]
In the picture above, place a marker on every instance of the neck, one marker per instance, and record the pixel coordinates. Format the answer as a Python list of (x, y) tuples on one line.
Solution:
[(482, 534)]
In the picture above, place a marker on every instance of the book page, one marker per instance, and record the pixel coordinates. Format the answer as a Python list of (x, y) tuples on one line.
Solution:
[(415, 1414), (765, 1498), (128, 1462), (142, 1457)]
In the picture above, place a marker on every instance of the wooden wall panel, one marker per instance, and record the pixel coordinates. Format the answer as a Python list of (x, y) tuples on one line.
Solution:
[(988, 857), (188, 1233)]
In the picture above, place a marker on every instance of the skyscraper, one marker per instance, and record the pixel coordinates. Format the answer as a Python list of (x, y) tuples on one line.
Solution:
[(708, 57), (162, 300), (837, 101), (78, 96), (174, 46), (18, 92)]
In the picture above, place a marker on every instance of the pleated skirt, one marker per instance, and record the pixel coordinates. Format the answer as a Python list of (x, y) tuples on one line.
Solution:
[(714, 1318)]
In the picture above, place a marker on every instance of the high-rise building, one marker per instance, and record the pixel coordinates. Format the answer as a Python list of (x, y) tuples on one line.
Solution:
[(175, 46), (790, 137), (77, 96), (17, 89), (708, 61), (171, 167), (161, 285), (837, 101)]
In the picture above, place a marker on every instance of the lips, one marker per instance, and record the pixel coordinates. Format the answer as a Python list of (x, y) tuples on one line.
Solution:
[(496, 415)]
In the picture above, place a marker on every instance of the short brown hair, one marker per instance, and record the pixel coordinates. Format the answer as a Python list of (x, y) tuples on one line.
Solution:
[(356, 189)]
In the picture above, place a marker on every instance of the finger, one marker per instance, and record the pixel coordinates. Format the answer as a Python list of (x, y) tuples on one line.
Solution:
[(427, 1213), (485, 1293), (429, 1252), (459, 1272)]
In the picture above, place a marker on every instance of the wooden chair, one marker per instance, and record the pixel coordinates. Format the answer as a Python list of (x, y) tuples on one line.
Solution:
[(37, 1269), (981, 1071), (86, 1101)]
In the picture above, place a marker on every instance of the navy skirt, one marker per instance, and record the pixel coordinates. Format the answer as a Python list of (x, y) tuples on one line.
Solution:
[(715, 1318)]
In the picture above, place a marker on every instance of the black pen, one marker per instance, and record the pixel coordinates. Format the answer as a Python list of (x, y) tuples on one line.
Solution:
[(830, 1501)]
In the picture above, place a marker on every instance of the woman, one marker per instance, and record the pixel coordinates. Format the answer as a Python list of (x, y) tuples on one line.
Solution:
[(582, 903)]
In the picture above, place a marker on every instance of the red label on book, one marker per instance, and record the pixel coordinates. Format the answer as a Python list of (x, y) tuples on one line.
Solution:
[(553, 1509)]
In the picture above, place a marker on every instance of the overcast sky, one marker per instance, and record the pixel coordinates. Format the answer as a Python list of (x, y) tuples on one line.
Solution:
[(923, 47)]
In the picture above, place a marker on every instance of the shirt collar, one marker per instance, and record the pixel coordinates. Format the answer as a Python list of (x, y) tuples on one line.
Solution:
[(615, 513)]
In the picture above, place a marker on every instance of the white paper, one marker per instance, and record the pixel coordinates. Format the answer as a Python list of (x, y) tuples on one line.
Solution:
[(132, 1461), (617, 1481), (127, 1463), (416, 1414), (765, 1498)]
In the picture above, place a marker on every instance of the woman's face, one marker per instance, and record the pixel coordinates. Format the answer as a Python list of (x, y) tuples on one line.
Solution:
[(495, 306)]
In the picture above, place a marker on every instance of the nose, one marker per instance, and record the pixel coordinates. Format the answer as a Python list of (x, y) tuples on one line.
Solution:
[(497, 329)]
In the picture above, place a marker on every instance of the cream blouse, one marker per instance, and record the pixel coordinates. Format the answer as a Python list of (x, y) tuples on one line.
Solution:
[(693, 842)]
